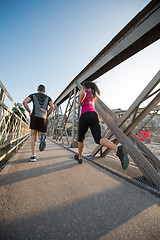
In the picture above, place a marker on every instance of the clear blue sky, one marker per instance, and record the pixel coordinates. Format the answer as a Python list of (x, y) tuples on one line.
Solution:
[(50, 41)]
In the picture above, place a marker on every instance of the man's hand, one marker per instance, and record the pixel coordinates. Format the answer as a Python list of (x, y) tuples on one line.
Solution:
[(51, 108)]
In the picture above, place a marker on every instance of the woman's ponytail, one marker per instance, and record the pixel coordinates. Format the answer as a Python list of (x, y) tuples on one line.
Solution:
[(94, 88)]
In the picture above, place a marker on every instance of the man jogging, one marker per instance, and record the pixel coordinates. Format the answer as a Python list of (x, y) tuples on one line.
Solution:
[(38, 118)]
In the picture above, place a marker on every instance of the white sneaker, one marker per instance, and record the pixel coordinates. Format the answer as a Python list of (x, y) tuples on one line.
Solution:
[(33, 158)]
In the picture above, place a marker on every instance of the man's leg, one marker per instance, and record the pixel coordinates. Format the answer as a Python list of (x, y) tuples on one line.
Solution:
[(42, 138), (39, 134), (33, 142)]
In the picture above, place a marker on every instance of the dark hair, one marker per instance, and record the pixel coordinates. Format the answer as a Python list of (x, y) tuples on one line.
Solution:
[(41, 88), (94, 88)]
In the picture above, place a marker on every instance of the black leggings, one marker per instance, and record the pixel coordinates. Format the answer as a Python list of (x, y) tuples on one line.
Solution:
[(89, 119)]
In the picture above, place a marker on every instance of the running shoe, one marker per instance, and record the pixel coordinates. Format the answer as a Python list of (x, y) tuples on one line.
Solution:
[(123, 156), (78, 159), (42, 144), (33, 158)]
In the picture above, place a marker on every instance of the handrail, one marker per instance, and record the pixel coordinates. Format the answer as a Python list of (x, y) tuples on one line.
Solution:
[(11, 99), (14, 129)]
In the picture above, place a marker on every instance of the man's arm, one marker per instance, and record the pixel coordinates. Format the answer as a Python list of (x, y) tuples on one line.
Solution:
[(51, 108), (25, 104)]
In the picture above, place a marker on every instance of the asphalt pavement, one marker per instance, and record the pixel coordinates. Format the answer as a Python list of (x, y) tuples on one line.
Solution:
[(54, 198)]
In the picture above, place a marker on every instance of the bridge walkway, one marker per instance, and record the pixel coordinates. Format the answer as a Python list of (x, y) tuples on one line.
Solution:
[(55, 198)]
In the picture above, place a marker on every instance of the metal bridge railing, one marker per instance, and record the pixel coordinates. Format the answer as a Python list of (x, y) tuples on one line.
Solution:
[(63, 128), (139, 33), (14, 128)]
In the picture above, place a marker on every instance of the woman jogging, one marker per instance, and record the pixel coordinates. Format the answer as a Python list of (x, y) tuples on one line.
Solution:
[(90, 118)]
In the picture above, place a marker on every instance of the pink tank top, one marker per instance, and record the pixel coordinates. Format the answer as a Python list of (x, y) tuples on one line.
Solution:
[(88, 103)]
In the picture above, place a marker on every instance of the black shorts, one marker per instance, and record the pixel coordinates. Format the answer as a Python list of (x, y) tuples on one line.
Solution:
[(89, 119), (39, 124)]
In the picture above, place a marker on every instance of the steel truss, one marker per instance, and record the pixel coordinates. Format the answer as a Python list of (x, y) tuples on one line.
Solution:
[(139, 33), (64, 127), (135, 36), (14, 129), (146, 161)]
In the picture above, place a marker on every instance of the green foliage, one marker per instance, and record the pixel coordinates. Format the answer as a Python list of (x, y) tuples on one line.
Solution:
[(15, 110)]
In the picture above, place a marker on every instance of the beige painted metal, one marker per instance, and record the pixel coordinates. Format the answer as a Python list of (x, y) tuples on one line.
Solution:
[(13, 129), (64, 121), (2, 96), (145, 167), (73, 143), (64, 128), (134, 109)]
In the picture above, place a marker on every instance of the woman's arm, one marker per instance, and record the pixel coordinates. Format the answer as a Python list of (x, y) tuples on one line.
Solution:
[(82, 95)]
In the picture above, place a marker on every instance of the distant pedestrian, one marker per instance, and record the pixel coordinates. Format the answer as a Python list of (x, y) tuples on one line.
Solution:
[(38, 118), (90, 118)]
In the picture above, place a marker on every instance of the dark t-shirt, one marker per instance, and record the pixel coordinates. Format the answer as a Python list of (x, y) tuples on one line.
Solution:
[(40, 104)]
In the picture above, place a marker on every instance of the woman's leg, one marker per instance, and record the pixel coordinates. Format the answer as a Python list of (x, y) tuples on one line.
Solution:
[(82, 130), (96, 132), (80, 149), (120, 151), (107, 143)]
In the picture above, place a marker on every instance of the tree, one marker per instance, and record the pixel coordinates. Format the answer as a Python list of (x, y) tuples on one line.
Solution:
[(15, 110)]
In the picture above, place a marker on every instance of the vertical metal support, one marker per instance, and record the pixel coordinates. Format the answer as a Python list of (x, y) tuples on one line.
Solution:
[(73, 142), (2, 96), (19, 133), (54, 123), (57, 123)]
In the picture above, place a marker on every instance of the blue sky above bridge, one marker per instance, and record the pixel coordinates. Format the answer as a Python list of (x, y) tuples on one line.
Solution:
[(50, 41)]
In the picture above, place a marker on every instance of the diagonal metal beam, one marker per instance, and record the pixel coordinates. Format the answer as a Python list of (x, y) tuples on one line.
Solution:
[(145, 167), (143, 114), (142, 97), (128, 132), (133, 108)]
